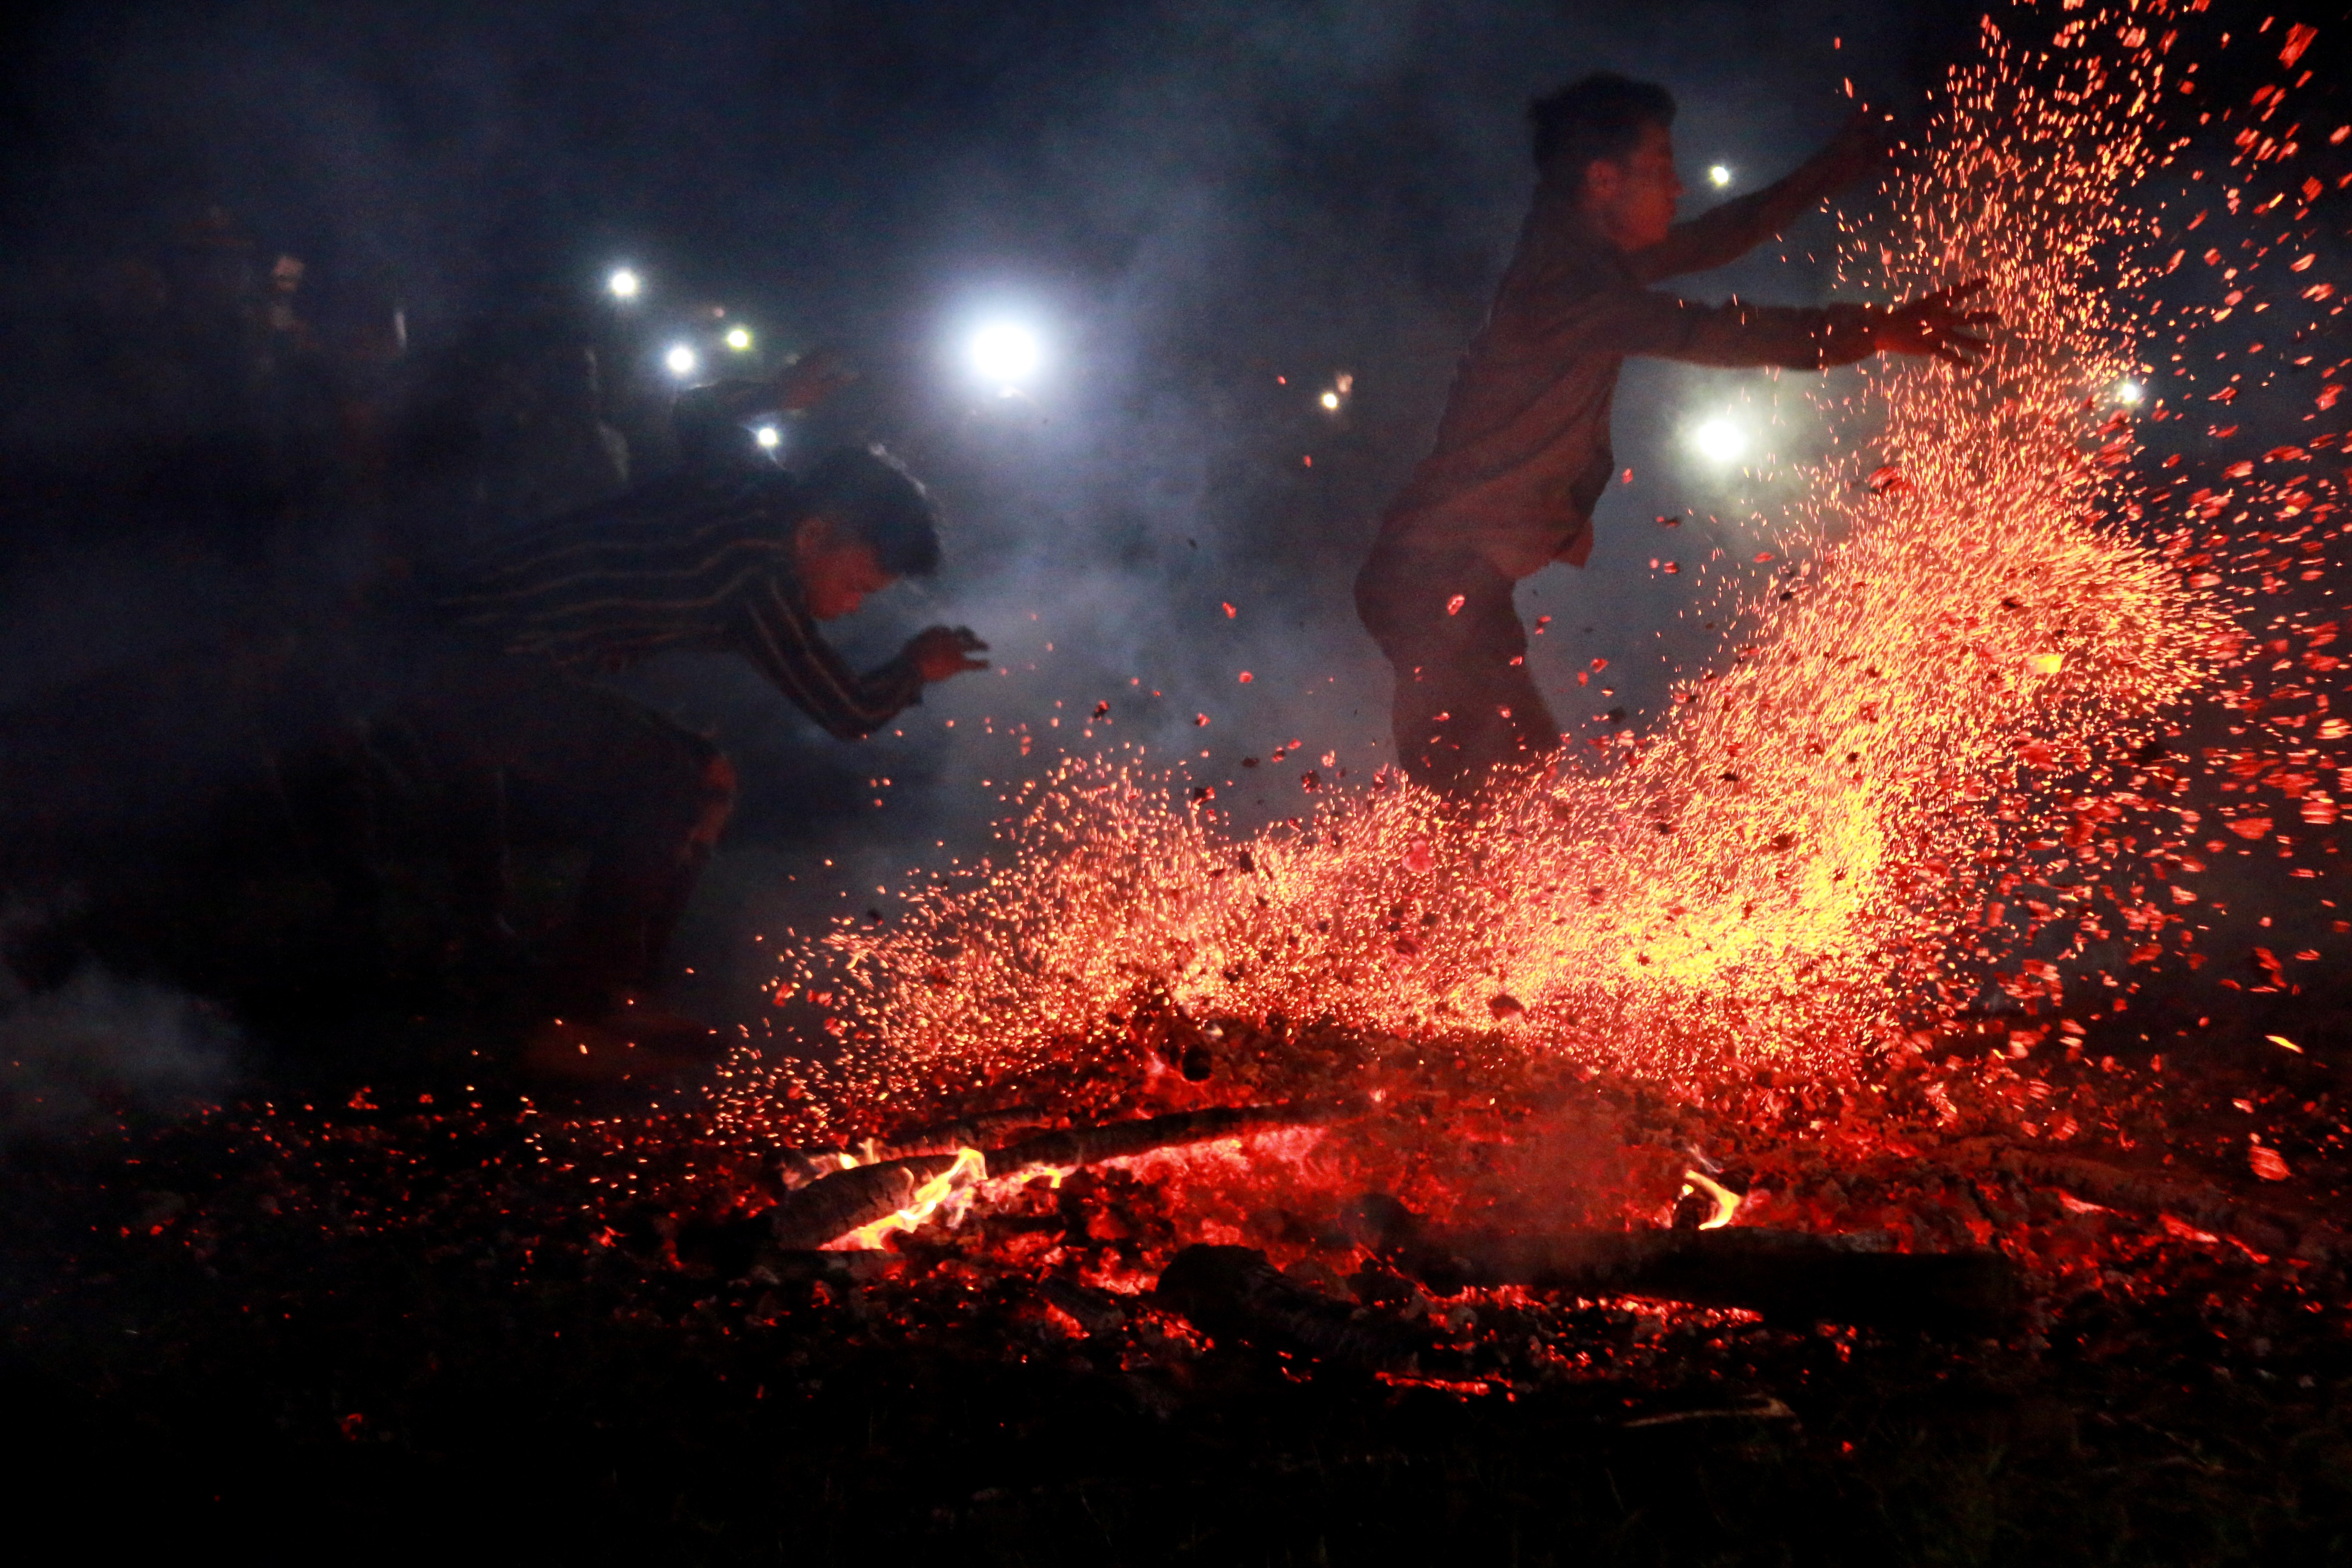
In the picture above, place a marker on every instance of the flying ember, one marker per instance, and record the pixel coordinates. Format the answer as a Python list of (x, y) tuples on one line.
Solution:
[(1790, 869)]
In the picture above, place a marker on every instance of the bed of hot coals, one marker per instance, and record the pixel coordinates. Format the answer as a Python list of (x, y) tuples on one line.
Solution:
[(1244, 1293)]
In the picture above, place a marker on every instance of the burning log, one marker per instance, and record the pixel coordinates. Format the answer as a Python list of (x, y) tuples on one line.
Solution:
[(1788, 1276), (796, 1168), (977, 1130), (1071, 1147), (2263, 1227), (1233, 1292), (1096, 1311), (847, 1200), (900, 1192)]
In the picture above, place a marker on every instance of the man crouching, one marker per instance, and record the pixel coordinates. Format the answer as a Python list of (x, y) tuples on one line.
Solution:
[(746, 561)]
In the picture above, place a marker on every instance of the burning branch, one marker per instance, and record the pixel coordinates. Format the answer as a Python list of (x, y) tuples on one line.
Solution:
[(1233, 1292), (847, 1201), (1074, 1146), (1790, 1276), (866, 1203)]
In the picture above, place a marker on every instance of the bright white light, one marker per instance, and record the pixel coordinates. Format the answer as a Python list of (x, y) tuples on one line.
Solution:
[(681, 360), (1719, 441), (1719, 175), (1331, 400), (738, 339), (768, 436), (1004, 353), (624, 283), (2128, 392)]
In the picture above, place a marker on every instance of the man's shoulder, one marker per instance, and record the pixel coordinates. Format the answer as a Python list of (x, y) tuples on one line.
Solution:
[(678, 505), (650, 521)]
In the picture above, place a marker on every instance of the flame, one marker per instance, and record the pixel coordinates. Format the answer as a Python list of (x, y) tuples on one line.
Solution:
[(1727, 1202), (971, 1168)]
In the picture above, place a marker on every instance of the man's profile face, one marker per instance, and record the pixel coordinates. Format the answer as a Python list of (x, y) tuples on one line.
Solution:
[(836, 571), (1632, 198)]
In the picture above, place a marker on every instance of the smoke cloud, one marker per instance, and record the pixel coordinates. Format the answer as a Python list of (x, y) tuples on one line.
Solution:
[(102, 1046)]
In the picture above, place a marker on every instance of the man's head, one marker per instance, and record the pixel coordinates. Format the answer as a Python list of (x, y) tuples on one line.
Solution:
[(865, 522), (1608, 141)]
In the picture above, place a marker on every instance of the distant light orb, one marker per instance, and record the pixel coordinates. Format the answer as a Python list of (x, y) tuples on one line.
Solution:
[(2129, 393), (769, 437), (1719, 441), (738, 339), (681, 360), (624, 283), (1331, 400), (1005, 354), (1719, 175)]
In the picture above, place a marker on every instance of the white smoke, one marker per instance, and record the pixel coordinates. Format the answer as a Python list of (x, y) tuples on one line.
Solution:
[(101, 1046)]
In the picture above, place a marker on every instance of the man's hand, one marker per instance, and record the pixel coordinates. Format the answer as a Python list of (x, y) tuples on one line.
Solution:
[(937, 652), (1936, 324), (811, 379)]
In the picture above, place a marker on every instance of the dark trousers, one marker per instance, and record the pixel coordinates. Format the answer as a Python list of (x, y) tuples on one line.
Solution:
[(520, 749), (1464, 704)]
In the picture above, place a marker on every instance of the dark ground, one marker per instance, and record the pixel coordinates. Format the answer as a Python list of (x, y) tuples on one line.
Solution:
[(326, 1328)]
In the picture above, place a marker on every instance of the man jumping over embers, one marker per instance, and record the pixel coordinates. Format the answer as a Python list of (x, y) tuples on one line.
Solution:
[(1523, 453)]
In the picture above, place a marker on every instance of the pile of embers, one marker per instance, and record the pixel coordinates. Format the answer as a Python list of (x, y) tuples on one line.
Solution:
[(1449, 1213), (1444, 1292)]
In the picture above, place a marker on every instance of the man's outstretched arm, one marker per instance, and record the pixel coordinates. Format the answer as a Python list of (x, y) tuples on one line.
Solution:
[(1660, 326), (1723, 234), (784, 642)]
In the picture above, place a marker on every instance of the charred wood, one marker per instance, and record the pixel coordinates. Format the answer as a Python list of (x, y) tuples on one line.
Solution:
[(833, 1206), (796, 1168), (1233, 1292), (977, 1130), (828, 1205), (1794, 1277), (1097, 1312), (1070, 1147), (2265, 1228)]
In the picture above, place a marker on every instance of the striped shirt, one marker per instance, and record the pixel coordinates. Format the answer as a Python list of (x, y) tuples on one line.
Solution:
[(677, 565)]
